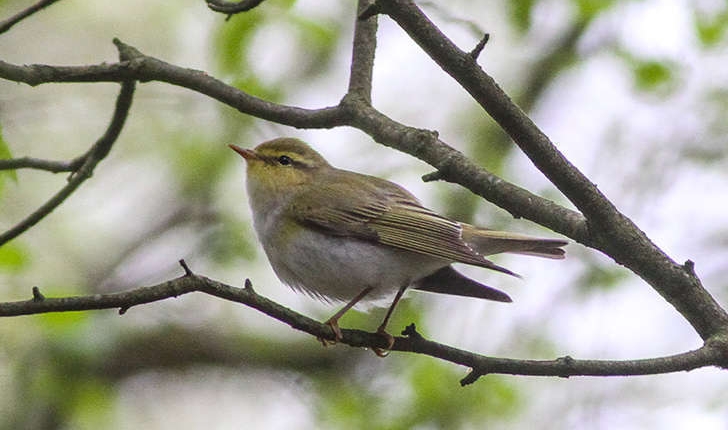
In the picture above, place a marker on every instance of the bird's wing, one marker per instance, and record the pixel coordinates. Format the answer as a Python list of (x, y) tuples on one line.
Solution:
[(380, 211), (415, 228)]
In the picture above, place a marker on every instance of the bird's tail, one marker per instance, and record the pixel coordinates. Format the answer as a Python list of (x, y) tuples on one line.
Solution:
[(449, 281), (488, 242)]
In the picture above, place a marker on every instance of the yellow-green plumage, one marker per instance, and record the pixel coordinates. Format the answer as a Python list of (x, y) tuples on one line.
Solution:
[(338, 234)]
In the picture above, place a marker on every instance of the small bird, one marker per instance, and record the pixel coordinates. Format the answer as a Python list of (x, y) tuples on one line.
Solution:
[(344, 236)]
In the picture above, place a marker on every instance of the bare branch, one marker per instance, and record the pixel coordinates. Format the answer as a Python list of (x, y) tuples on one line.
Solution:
[(97, 153), (231, 8), (40, 164), (608, 229), (352, 110), (458, 168), (137, 66), (475, 53), (8, 23), (711, 354), (602, 226), (465, 70), (362, 56)]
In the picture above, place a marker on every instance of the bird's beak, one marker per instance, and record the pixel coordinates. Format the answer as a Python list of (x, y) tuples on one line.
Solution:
[(248, 154)]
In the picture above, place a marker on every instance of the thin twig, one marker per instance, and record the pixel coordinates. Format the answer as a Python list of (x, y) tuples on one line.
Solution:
[(362, 56), (40, 164), (97, 153), (475, 53), (8, 23), (230, 8)]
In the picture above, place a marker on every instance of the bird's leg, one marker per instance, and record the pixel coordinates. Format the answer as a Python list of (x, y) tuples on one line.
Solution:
[(383, 327), (333, 322)]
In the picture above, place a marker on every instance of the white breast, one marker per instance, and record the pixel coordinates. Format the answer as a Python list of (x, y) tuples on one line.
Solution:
[(339, 268)]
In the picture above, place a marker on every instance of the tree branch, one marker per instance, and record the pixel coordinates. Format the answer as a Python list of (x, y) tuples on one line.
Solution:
[(89, 161), (137, 66), (231, 8), (707, 355), (466, 71), (8, 23), (602, 226), (711, 354), (353, 111), (607, 229), (362, 55), (458, 168), (39, 164), (670, 280)]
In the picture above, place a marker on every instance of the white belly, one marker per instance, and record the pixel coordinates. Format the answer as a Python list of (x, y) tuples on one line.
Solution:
[(339, 268)]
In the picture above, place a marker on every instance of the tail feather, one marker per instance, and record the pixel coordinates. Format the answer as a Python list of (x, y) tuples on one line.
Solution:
[(488, 242), (449, 281)]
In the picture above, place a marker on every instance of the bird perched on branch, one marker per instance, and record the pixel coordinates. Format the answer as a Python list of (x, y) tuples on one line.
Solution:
[(344, 236)]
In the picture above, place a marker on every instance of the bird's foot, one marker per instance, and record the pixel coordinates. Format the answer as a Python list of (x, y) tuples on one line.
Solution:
[(334, 324), (383, 352)]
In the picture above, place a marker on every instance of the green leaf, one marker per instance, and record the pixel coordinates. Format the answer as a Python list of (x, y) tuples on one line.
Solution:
[(490, 398), (59, 322), (91, 404), (519, 12), (589, 9), (13, 258), (232, 41), (63, 325), (711, 29), (235, 35), (652, 75)]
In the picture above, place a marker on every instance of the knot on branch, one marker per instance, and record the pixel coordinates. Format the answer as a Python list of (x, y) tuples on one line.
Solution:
[(475, 53), (249, 285), (186, 268), (126, 52), (432, 176), (471, 377), (411, 332), (566, 364), (37, 296), (689, 267)]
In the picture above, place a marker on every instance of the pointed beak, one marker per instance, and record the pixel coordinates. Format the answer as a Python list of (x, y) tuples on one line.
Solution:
[(248, 154)]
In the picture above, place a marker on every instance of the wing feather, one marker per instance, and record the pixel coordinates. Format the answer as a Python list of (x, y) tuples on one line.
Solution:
[(381, 211)]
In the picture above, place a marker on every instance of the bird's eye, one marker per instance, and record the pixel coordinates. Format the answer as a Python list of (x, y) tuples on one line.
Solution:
[(285, 160)]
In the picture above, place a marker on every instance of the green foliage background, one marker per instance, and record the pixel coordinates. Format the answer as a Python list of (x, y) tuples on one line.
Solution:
[(653, 139)]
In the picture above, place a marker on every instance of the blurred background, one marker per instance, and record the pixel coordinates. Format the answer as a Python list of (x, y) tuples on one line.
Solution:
[(634, 93)]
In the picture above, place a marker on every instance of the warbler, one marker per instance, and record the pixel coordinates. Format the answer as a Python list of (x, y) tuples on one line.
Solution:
[(344, 236)]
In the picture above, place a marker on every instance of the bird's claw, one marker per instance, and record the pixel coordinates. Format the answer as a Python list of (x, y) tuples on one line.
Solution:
[(338, 335), (383, 352), (334, 324)]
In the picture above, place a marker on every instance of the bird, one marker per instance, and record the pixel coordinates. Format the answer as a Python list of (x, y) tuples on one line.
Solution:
[(343, 236)]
